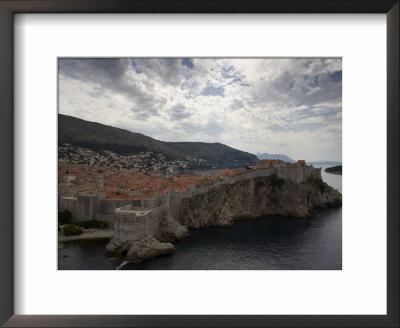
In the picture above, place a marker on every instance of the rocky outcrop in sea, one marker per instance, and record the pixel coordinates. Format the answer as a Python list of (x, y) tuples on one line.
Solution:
[(149, 246), (140, 249)]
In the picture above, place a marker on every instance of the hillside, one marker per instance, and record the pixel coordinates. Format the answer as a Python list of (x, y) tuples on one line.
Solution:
[(275, 156), (99, 137)]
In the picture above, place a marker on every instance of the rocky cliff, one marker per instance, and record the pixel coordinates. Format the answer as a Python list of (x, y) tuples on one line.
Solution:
[(223, 204), (260, 196)]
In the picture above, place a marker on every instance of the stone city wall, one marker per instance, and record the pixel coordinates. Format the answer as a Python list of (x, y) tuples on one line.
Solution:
[(89, 206), (131, 223), (67, 203)]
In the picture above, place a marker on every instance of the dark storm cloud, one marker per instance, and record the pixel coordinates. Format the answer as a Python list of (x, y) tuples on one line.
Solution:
[(167, 71), (104, 70), (111, 74)]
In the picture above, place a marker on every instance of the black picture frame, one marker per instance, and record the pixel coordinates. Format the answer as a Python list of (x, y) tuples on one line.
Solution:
[(10, 7)]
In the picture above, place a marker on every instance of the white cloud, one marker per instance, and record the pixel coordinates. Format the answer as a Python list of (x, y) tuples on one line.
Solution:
[(289, 106)]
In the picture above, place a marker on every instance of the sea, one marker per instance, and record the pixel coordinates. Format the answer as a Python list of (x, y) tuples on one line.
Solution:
[(266, 243)]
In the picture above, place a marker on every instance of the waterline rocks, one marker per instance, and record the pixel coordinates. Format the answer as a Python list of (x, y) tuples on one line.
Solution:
[(171, 230), (147, 248), (140, 249)]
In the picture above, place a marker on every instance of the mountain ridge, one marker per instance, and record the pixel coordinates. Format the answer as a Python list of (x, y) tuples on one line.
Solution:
[(97, 136)]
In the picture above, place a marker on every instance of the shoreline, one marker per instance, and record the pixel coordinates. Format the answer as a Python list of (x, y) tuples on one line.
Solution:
[(87, 234), (201, 245)]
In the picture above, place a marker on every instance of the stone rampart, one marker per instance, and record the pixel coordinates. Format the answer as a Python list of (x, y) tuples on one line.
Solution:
[(87, 206), (67, 203), (91, 206), (131, 224), (312, 172)]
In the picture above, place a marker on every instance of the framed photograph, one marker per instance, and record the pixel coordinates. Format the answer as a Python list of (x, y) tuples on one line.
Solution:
[(145, 201), (194, 158)]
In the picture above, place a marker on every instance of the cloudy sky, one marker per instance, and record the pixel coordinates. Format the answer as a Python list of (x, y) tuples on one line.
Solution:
[(287, 106)]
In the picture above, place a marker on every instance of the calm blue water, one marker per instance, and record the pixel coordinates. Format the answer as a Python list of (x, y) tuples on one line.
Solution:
[(269, 243)]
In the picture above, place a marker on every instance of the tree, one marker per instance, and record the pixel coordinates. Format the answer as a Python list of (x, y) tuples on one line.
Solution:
[(64, 216)]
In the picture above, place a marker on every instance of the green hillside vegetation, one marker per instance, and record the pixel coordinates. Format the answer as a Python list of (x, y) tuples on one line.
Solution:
[(99, 137)]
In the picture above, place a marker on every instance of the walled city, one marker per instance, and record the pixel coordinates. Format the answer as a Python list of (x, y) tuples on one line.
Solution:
[(133, 203)]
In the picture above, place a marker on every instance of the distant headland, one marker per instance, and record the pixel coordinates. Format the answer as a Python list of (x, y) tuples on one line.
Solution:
[(334, 169)]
